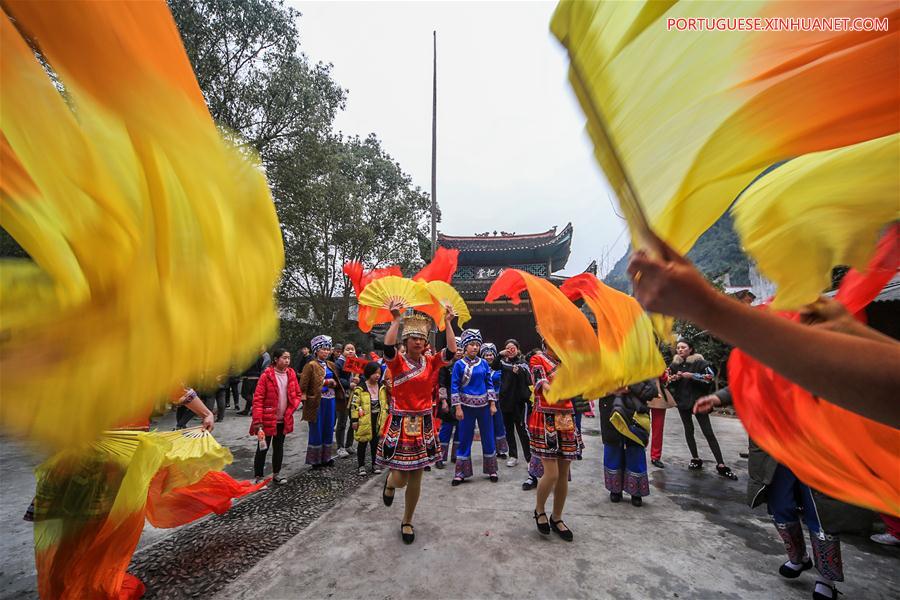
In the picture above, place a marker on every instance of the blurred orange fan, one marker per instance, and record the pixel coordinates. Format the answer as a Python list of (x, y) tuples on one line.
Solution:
[(448, 297), (383, 292)]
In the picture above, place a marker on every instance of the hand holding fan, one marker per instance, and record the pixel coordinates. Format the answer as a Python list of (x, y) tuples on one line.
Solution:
[(389, 292), (449, 299)]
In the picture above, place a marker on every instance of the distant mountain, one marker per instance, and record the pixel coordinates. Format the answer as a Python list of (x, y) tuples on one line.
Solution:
[(716, 253)]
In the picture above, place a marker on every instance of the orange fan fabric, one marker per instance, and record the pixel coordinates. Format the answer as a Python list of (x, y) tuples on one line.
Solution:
[(564, 328), (628, 349), (359, 279), (833, 450), (441, 268)]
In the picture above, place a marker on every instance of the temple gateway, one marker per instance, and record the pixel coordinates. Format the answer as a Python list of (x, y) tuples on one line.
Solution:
[(481, 259)]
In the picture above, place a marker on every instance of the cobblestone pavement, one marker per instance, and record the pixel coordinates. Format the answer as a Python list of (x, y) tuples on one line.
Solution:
[(157, 557), (199, 560)]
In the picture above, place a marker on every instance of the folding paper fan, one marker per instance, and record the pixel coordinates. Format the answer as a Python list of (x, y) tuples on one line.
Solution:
[(381, 293), (447, 296)]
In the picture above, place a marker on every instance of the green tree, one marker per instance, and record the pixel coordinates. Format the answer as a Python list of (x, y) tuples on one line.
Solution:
[(246, 58), (356, 204), (337, 199)]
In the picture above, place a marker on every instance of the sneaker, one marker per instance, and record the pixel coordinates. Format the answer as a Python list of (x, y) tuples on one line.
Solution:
[(279, 479), (258, 480), (377, 471), (341, 453), (362, 471), (513, 461), (885, 538), (529, 484)]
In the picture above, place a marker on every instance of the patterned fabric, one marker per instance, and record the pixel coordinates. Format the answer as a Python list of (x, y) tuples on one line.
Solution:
[(409, 443), (470, 336), (463, 467), (625, 469), (502, 446), (792, 536), (470, 383), (487, 348), (827, 555), (536, 467), (327, 392), (547, 442), (320, 447), (319, 342), (489, 464)]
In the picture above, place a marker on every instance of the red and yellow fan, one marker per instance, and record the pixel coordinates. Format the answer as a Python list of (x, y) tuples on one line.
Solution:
[(391, 290), (360, 278), (447, 298)]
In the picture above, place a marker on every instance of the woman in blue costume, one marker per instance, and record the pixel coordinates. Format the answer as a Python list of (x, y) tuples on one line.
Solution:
[(475, 401)]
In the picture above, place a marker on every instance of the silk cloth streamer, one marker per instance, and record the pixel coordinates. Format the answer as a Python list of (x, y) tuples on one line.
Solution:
[(155, 247), (835, 451), (683, 121)]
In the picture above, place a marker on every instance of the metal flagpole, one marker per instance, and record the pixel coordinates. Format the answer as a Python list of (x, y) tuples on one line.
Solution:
[(434, 155)]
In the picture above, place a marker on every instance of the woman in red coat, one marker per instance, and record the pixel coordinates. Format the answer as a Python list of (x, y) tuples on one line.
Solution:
[(276, 398)]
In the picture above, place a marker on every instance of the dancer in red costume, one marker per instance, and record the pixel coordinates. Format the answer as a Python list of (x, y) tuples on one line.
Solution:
[(408, 443)]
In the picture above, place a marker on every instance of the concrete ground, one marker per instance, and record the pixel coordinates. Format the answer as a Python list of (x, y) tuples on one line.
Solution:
[(693, 538)]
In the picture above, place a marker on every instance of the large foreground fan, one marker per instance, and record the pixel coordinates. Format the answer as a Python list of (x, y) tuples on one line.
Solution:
[(448, 298), (383, 292)]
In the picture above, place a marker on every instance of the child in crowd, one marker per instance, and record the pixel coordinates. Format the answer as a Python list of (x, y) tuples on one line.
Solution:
[(368, 411)]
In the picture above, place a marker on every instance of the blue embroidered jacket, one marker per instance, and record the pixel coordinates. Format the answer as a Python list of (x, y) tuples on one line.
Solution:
[(470, 383)]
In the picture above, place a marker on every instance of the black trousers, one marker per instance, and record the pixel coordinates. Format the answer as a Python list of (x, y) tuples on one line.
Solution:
[(248, 388), (705, 427), (372, 444), (231, 392), (276, 442), (343, 433), (515, 424)]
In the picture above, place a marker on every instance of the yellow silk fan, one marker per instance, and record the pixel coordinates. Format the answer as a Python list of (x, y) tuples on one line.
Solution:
[(448, 297), (381, 293)]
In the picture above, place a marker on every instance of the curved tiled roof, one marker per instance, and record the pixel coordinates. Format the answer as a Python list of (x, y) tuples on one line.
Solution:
[(513, 249)]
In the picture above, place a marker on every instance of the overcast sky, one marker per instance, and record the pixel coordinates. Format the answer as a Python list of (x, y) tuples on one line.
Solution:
[(512, 151)]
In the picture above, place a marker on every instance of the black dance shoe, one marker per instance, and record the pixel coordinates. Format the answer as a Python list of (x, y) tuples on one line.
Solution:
[(455, 482), (636, 501), (789, 573), (408, 538), (543, 528), (494, 478), (615, 497), (565, 534), (388, 500)]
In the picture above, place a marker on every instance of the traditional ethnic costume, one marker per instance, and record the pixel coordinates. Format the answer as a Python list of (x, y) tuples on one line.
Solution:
[(500, 442), (625, 427), (408, 441), (551, 427), (319, 401), (472, 389), (449, 431), (91, 503)]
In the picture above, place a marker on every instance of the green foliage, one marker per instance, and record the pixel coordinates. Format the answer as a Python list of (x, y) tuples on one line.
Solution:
[(337, 198), (716, 253)]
